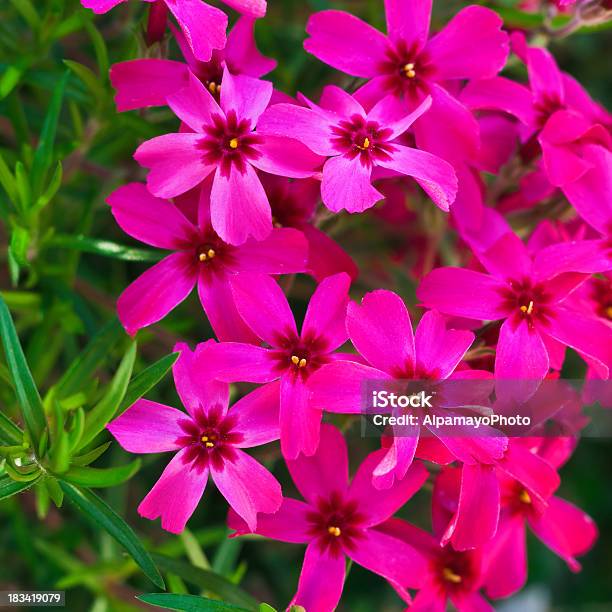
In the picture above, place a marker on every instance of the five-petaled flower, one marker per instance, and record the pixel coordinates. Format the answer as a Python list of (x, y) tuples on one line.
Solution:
[(209, 439)]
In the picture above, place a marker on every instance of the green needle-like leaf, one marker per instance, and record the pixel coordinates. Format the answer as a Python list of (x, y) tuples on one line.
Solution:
[(9, 487), (103, 412), (105, 248), (25, 388), (189, 603), (207, 581), (101, 477), (147, 379), (101, 514)]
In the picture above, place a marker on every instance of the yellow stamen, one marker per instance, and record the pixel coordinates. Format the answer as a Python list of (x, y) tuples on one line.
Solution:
[(213, 87), (366, 143), (233, 143), (209, 444), (302, 363), (335, 531), (202, 257), (525, 497), (451, 576), (210, 253), (295, 360), (528, 309), (204, 438), (408, 70), (609, 312)]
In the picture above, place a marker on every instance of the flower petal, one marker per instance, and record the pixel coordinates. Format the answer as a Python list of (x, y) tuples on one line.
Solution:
[(326, 257), (241, 53), (176, 494), (326, 313), (472, 45), (256, 416), (175, 161), (156, 292), (245, 95), (381, 331), (326, 471), (288, 524), (239, 206), (146, 82), (235, 361), (247, 486), (463, 293), (408, 21), (194, 105), (149, 219), (358, 51), (321, 580), (197, 391), (264, 307), (380, 504), (299, 423), (286, 157), (436, 176), (347, 185), (148, 427), (203, 26), (392, 112), (254, 8)]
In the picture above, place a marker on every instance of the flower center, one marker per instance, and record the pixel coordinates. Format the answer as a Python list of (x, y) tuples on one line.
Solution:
[(209, 440), (334, 531), (206, 254), (233, 143), (408, 70), (450, 576), (213, 87), (300, 362), (527, 309), (525, 497)]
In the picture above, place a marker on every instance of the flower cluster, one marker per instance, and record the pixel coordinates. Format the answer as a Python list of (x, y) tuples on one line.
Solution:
[(521, 171)]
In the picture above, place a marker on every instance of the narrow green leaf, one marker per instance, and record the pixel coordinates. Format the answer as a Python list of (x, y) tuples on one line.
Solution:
[(207, 581), (9, 487), (12, 75), (92, 455), (28, 12), (23, 186), (101, 477), (20, 240), (99, 46), (105, 248), (189, 603), (7, 180), (43, 156), (52, 188), (89, 78), (60, 449), (101, 514), (81, 370), (25, 389), (144, 381), (102, 413), (264, 607), (10, 430)]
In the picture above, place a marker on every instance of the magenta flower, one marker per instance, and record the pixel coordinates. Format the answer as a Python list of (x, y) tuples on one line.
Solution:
[(223, 141), (356, 142), (405, 62), (200, 258), (453, 575), (529, 500), (381, 330), (209, 440), (292, 357), (148, 82), (203, 25), (528, 293), (340, 520)]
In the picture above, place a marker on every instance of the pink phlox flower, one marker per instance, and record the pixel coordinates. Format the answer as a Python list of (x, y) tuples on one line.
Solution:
[(528, 292), (224, 142), (200, 258), (356, 142), (288, 355), (208, 440), (148, 82), (381, 331), (339, 519)]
